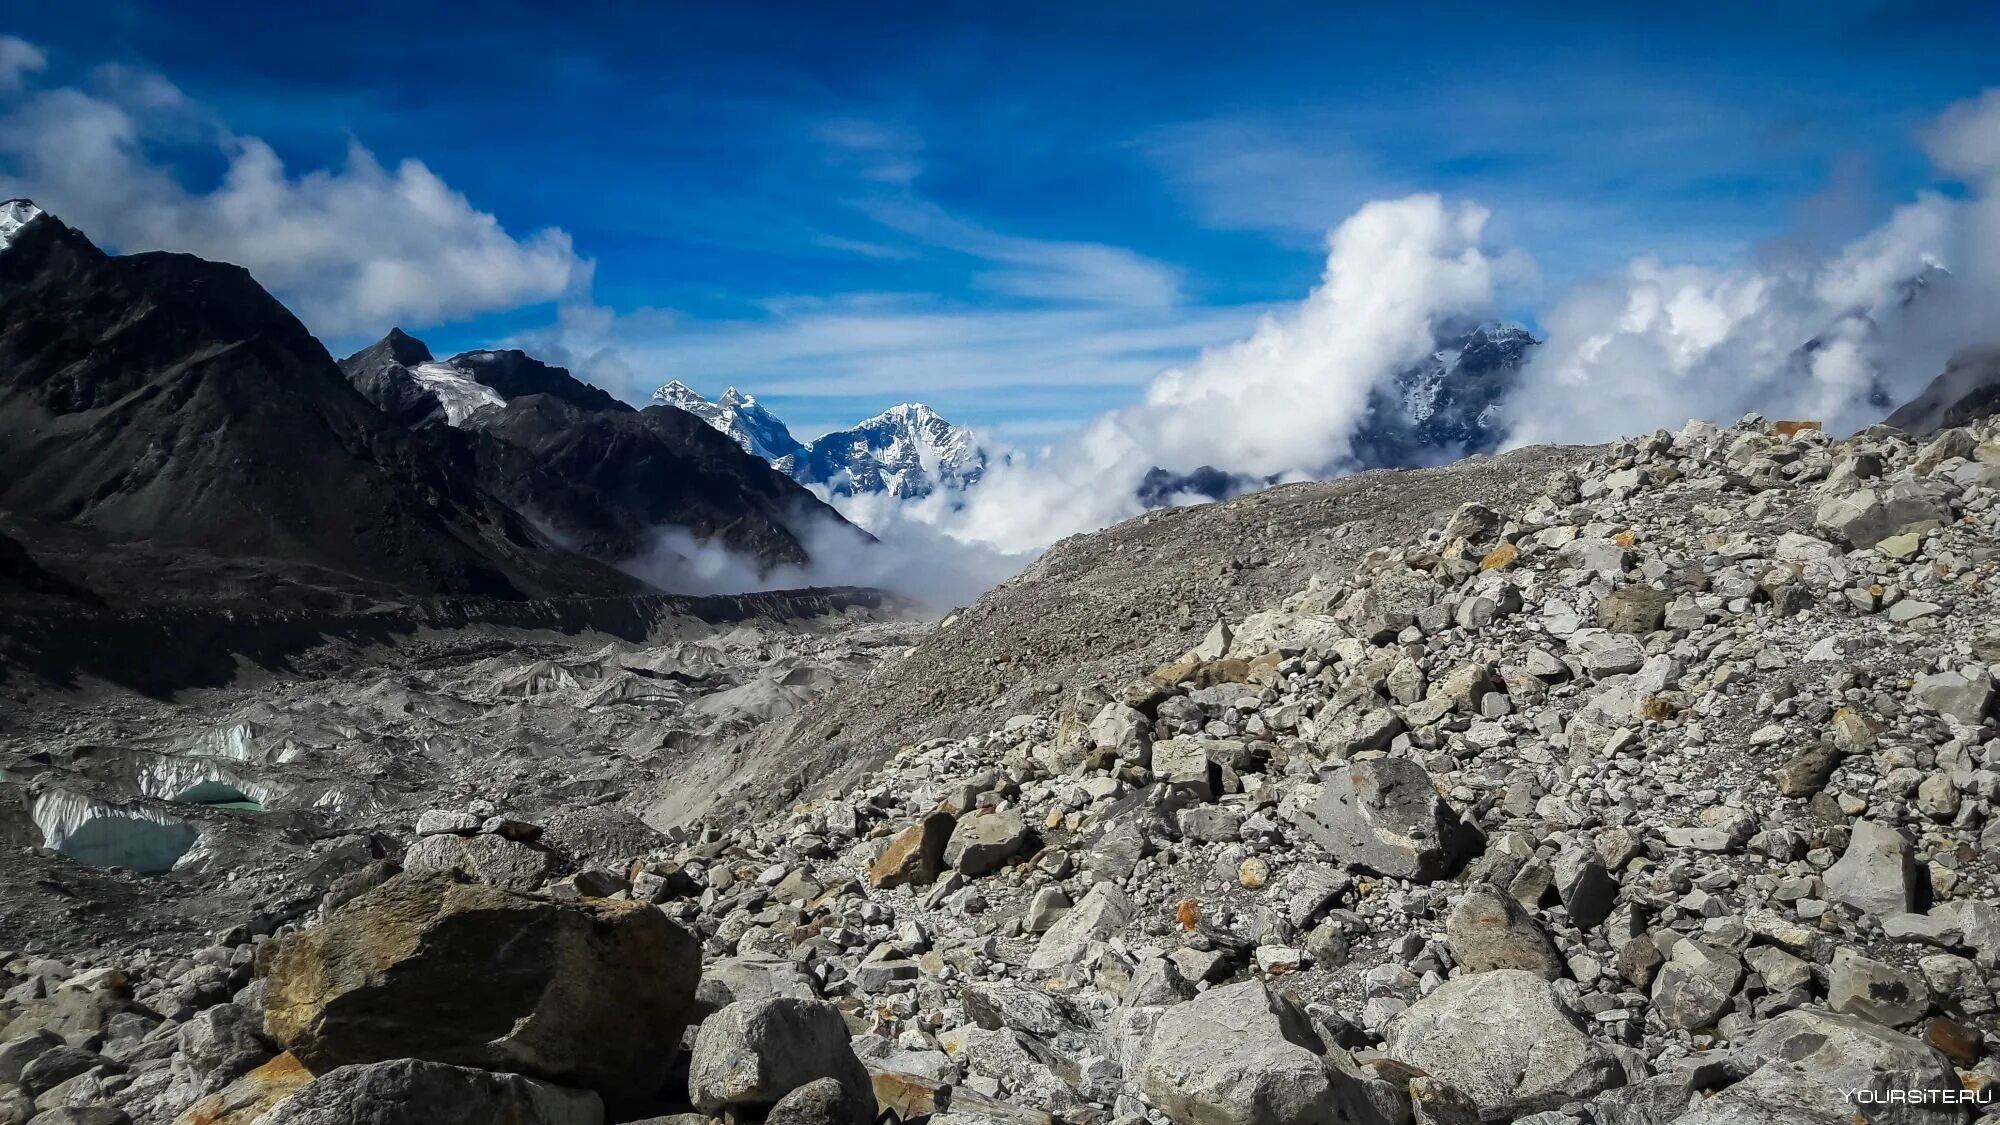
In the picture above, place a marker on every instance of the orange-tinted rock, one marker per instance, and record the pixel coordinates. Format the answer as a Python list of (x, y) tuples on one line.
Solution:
[(914, 855), (249, 1097)]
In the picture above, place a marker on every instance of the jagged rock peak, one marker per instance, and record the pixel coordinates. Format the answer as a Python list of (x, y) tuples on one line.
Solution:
[(405, 348)]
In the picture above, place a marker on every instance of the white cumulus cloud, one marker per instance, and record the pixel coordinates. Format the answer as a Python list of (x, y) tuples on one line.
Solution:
[(351, 249), (1281, 402), (1838, 340), (18, 59)]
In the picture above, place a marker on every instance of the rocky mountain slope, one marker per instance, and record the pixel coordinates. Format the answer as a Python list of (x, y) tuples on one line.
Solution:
[(162, 397), (1651, 783), (603, 476), (1967, 390), (1447, 406)]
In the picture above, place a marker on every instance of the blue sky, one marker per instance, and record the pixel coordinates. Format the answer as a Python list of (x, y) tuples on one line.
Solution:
[(1020, 212)]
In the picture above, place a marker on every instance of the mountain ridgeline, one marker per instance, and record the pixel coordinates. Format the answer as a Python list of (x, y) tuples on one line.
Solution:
[(600, 475), (907, 452), (161, 403)]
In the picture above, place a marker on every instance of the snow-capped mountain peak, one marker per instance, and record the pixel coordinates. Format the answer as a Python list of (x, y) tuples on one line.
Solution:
[(678, 394), (906, 451), (736, 414), (1447, 405), (15, 214)]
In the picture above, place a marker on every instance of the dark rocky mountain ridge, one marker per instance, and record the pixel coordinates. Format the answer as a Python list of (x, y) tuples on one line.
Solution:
[(1967, 390), (160, 396), (602, 475)]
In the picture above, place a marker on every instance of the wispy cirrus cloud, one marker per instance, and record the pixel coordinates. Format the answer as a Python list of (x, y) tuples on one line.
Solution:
[(1035, 269), (1030, 334)]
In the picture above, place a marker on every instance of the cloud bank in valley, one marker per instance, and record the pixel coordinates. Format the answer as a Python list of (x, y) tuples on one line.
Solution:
[(350, 249), (911, 558)]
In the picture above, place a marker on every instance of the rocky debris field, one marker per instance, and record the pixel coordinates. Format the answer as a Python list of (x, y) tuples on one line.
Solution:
[(1659, 793), (248, 803), (1098, 607)]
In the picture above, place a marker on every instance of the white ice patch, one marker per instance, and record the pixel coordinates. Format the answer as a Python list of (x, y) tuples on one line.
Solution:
[(106, 835), (171, 779), (15, 214), (460, 396), (237, 741)]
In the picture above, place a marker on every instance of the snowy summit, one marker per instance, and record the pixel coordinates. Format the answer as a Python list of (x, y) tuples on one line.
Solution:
[(907, 451), (737, 414), (15, 214)]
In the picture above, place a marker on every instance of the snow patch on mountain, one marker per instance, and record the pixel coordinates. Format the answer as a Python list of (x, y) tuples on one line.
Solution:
[(15, 214), (461, 396), (738, 415)]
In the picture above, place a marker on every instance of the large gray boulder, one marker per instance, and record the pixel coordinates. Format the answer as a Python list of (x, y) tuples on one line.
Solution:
[(983, 842), (1102, 913), (1122, 731), (1841, 1052), (823, 1101), (1867, 516), (1961, 695), (753, 1054), (219, 1045), (415, 1092), (1035, 1011), (592, 994), (1605, 653), (1875, 990), (1385, 815), (1877, 873), (493, 859), (1242, 1055), (1777, 1093), (1697, 986), (1505, 1039), (1488, 930)]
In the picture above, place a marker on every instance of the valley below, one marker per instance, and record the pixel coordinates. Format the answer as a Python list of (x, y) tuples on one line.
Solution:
[(205, 783)]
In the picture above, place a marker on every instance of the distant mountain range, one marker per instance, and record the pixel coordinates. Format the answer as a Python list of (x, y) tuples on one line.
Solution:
[(167, 402), (1447, 406), (907, 451)]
